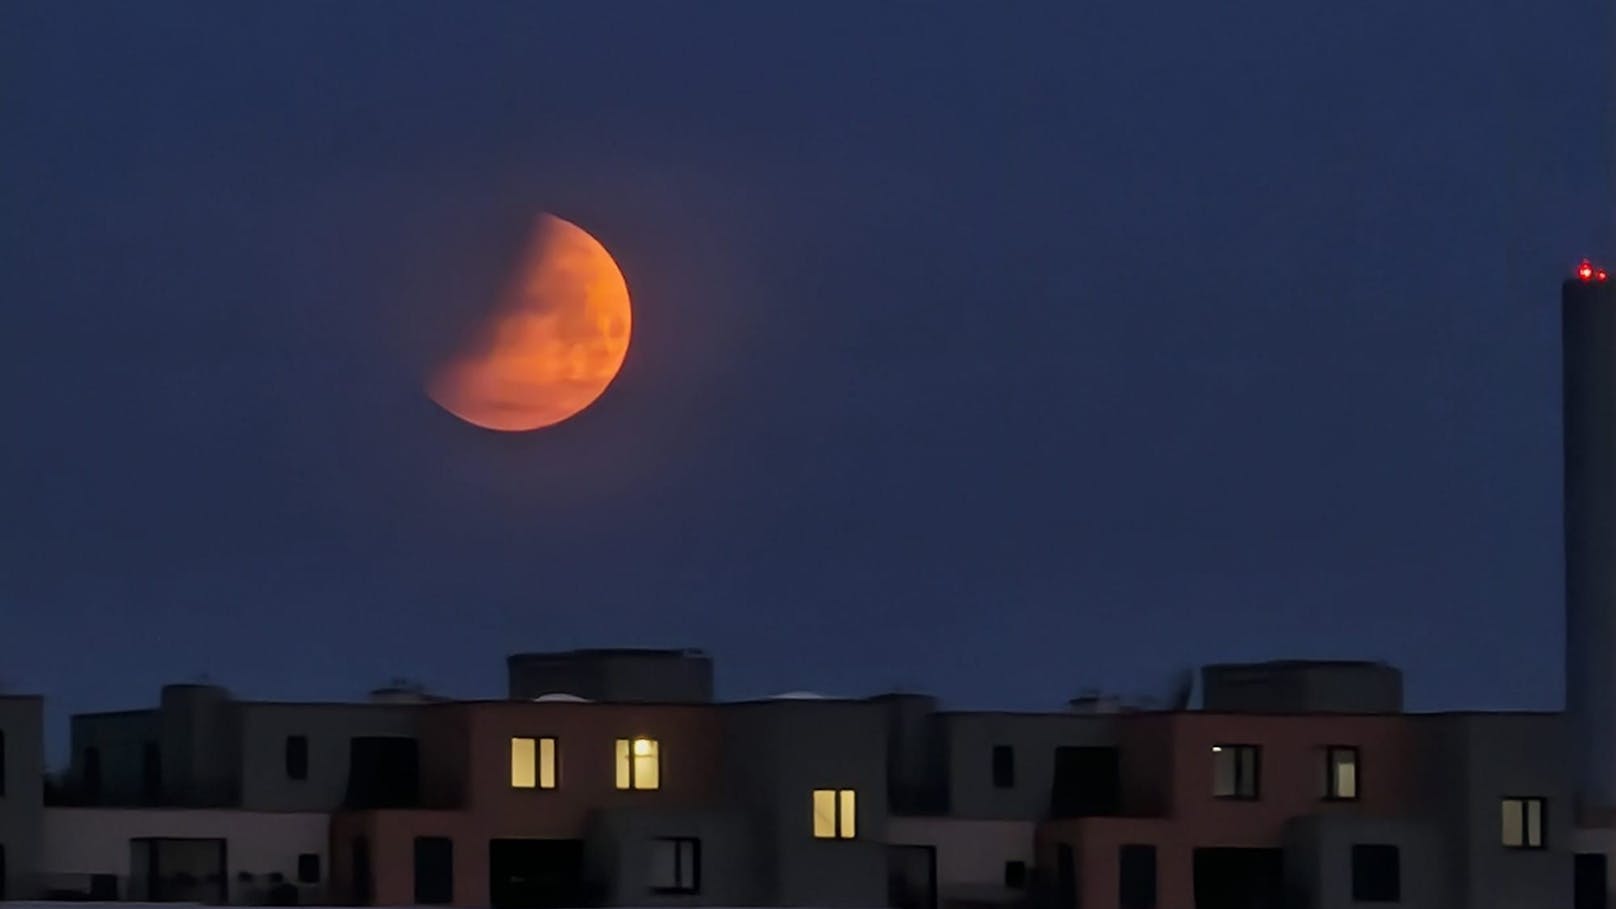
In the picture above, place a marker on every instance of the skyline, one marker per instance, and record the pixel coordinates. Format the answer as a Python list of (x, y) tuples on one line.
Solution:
[(1005, 359)]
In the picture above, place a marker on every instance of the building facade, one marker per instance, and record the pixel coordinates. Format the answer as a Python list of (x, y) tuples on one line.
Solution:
[(1298, 791)]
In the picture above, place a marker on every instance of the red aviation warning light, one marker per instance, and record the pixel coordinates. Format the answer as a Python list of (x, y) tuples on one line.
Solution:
[(1586, 272)]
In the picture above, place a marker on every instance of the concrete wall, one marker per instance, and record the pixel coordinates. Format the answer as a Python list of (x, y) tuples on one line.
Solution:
[(776, 753), (329, 729), (971, 854), (201, 746), (969, 739), (1318, 860), (1302, 687), (1469, 764), (645, 676), (120, 739), (620, 848), (22, 795), (83, 841)]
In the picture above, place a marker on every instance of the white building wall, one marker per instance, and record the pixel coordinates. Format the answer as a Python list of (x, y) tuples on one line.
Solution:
[(86, 841), (971, 854)]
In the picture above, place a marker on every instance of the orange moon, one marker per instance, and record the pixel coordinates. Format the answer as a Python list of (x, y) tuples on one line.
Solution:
[(555, 340)]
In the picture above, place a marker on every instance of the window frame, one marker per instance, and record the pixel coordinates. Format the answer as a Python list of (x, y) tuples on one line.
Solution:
[(624, 755), (1526, 845), (679, 844), (1330, 792), (844, 827), (1255, 771), (539, 783)]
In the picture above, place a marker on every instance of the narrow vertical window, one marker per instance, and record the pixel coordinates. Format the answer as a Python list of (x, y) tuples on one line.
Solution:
[(835, 814), (1004, 767), (297, 757), (523, 774), (1523, 822), (1341, 773), (547, 763)]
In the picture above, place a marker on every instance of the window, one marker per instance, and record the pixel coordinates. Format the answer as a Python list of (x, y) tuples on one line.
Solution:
[(297, 757), (1236, 771), (434, 870), (533, 763), (676, 865), (835, 814), (1004, 767), (1015, 875), (1377, 875), (1136, 876), (308, 868), (1523, 823), (1341, 773), (2, 763), (639, 764)]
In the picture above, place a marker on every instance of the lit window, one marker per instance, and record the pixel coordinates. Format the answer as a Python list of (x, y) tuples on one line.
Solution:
[(1523, 823), (533, 763), (1341, 773), (1235, 771), (639, 764), (835, 814)]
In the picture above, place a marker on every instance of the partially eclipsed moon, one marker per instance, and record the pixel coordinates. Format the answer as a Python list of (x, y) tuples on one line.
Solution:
[(553, 343)]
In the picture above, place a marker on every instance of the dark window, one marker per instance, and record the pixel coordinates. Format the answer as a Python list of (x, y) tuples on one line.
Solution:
[(1523, 822), (1136, 876), (297, 757), (2, 871), (434, 870), (1236, 771), (151, 773), (1088, 782), (676, 865), (1015, 875), (1004, 766), (2, 763), (103, 888), (1341, 772), (308, 868), (383, 772), (1588, 881), (1377, 874), (92, 774)]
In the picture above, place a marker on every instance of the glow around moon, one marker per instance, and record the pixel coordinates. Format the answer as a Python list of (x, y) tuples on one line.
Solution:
[(553, 343)]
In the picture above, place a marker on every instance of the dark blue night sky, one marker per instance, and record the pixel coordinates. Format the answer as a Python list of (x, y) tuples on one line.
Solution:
[(994, 350)]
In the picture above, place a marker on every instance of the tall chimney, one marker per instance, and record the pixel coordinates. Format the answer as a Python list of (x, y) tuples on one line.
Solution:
[(1588, 338)]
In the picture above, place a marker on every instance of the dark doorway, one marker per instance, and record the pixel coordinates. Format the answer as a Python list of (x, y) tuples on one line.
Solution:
[(174, 870), (912, 877), (363, 885), (1239, 879), (1065, 877), (434, 870), (2, 871), (383, 772), (536, 874), (1588, 882), (1088, 782), (1136, 876)]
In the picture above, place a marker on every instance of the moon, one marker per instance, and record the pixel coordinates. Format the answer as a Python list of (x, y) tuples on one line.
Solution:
[(553, 342)]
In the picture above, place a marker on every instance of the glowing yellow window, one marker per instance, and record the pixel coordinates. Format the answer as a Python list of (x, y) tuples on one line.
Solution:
[(533, 763), (835, 814), (639, 764)]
